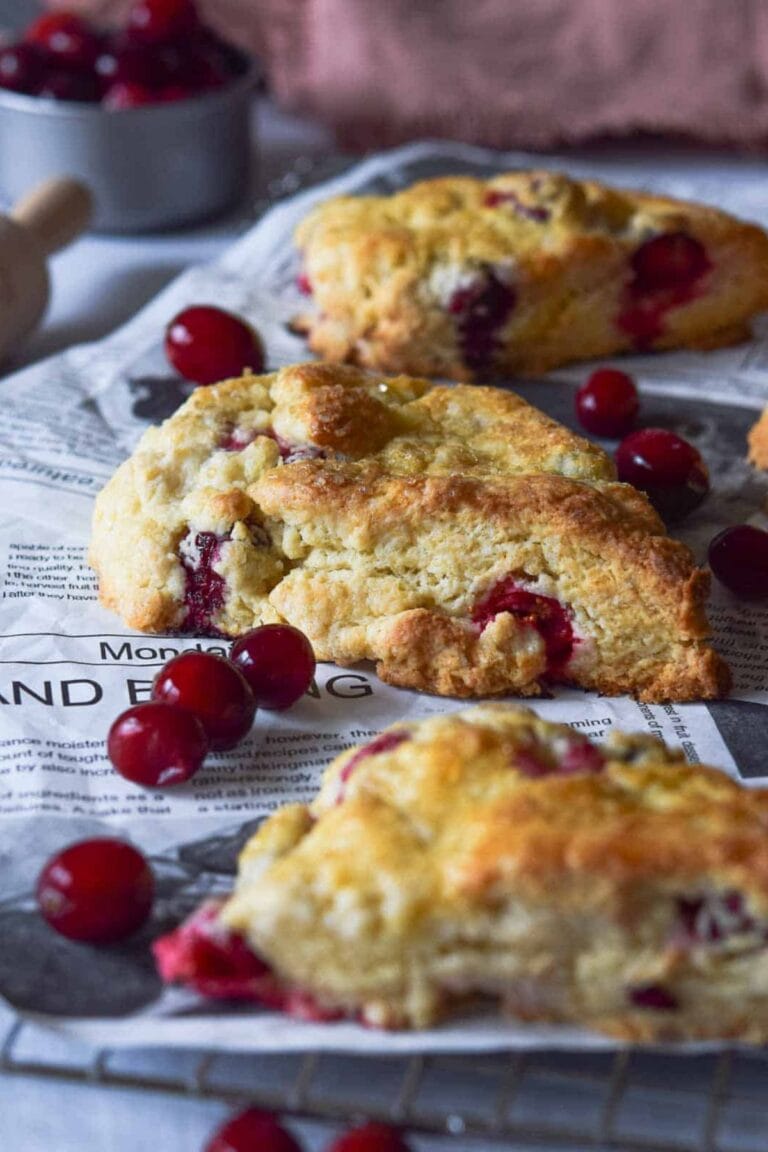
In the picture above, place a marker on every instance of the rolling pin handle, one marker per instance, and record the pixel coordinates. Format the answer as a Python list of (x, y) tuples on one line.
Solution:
[(55, 212)]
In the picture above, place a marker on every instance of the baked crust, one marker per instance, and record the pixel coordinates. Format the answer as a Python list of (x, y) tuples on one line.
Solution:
[(490, 852), (396, 278), (758, 442), (423, 503)]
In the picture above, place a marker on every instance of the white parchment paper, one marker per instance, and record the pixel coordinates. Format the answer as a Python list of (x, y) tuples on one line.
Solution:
[(67, 667)]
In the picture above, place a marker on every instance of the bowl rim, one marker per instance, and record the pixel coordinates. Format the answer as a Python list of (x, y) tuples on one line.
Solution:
[(77, 110)]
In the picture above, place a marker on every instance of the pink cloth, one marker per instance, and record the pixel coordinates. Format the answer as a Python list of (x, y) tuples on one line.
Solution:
[(526, 73), (531, 73)]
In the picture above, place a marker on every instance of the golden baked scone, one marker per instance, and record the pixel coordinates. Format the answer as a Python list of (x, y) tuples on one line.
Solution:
[(758, 442), (457, 536), (521, 273), (492, 854)]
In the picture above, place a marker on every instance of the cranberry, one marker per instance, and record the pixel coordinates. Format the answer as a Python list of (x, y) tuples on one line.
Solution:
[(205, 344), (172, 93), (713, 918), (66, 38), (667, 468), (203, 954), (157, 745), (371, 1137), (277, 661), (304, 284), (581, 756), (481, 309), (607, 405), (495, 196), (79, 87), (214, 690), (97, 891), (160, 21), (122, 62), (547, 615), (22, 68), (672, 260), (383, 743), (126, 95), (653, 996), (204, 587), (252, 1131), (738, 556)]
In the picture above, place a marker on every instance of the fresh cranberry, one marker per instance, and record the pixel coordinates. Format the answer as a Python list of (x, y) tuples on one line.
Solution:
[(126, 95), (738, 556), (67, 39), (77, 87), (548, 616), (205, 344), (97, 891), (653, 996), (672, 260), (158, 21), (371, 1137), (580, 756), (22, 68), (481, 309), (204, 587), (252, 1131), (607, 405), (172, 94), (214, 690), (157, 745), (277, 661), (122, 62), (667, 468)]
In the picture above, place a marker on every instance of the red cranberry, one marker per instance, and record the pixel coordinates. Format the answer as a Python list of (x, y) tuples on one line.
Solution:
[(371, 1137), (158, 21), (126, 95), (738, 556), (121, 62), (203, 954), (713, 918), (667, 468), (382, 743), (22, 68), (214, 690), (204, 587), (205, 344), (653, 996), (481, 309), (157, 745), (67, 39), (495, 196), (252, 1131), (607, 405), (304, 284), (172, 93), (97, 891), (78, 87), (277, 661), (547, 615), (672, 260)]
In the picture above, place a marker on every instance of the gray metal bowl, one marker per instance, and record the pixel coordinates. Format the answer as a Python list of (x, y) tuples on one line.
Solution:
[(153, 167)]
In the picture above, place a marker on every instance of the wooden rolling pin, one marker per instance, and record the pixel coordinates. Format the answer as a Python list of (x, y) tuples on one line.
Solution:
[(46, 220)]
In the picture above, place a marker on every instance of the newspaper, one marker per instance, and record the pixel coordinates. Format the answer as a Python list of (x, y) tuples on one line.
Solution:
[(68, 667)]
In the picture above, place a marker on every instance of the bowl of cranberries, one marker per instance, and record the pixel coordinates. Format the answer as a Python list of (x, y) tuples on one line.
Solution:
[(154, 115)]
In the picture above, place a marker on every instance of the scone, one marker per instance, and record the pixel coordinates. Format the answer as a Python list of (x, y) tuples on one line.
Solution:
[(758, 442), (489, 853), (458, 537), (521, 273)]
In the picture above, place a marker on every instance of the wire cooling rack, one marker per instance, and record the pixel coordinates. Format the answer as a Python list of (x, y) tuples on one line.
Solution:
[(630, 1100)]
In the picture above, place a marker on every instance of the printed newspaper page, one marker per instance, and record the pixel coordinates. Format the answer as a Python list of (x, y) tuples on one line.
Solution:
[(68, 667)]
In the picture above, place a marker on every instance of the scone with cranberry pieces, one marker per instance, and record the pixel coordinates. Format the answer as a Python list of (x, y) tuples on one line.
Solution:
[(521, 273), (458, 537), (492, 855)]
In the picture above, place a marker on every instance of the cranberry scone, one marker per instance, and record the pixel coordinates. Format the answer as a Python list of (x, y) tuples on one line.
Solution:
[(457, 536), (522, 273), (758, 442), (492, 854)]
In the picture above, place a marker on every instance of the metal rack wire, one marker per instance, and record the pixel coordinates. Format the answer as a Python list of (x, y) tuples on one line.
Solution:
[(629, 1100)]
